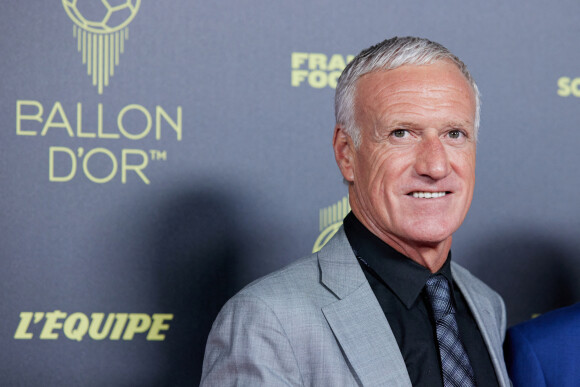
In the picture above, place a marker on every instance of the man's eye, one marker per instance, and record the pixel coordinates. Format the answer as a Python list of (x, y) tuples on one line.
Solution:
[(455, 134), (399, 133)]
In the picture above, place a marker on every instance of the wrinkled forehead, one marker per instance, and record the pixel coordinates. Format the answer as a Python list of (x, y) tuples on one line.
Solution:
[(402, 71), (437, 88)]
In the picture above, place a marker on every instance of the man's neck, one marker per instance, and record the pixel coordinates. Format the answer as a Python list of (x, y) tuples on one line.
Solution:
[(429, 255)]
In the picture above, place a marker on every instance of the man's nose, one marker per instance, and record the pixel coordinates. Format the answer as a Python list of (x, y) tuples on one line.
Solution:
[(432, 158)]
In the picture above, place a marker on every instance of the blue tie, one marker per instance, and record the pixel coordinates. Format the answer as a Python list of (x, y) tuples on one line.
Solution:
[(457, 371)]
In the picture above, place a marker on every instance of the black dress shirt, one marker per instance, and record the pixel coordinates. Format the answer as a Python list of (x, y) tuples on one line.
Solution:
[(398, 283)]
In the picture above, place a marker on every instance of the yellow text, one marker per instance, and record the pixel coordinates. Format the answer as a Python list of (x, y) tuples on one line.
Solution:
[(97, 326), (316, 69), (133, 122)]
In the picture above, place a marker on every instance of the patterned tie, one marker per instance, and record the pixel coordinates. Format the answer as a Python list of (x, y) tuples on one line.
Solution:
[(457, 371)]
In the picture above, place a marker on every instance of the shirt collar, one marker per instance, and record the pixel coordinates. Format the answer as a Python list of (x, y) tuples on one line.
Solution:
[(403, 276)]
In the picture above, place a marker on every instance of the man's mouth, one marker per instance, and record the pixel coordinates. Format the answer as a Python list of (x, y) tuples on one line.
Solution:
[(428, 195)]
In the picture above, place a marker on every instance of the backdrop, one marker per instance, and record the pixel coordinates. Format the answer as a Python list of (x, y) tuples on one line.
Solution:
[(158, 156)]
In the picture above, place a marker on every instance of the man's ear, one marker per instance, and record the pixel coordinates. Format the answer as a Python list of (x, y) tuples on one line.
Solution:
[(344, 152)]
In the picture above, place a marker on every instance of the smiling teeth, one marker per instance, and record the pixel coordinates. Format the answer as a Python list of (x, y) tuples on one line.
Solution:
[(428, 195)]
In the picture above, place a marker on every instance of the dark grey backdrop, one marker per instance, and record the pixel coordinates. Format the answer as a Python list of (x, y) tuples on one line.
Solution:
[(240, 194)]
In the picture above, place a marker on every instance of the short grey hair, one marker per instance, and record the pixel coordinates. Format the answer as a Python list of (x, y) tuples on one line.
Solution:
[(388, 55)]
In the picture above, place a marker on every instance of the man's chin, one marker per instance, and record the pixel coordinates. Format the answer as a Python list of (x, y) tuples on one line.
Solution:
[(429, 237)]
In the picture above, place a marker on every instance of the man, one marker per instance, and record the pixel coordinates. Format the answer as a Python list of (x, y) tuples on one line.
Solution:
[(366, 310), (545, 351)]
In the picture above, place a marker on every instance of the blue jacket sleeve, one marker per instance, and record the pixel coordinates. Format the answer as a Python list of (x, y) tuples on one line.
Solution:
[(523, 366)]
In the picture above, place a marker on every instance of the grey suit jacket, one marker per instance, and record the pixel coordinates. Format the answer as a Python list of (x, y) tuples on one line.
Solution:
[(317, 322)]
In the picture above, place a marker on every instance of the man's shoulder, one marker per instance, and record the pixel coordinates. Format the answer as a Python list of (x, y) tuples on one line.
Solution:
[(564, 321), (302, 280), (294, 288), (545, 349), (303, 271), (263, 325)]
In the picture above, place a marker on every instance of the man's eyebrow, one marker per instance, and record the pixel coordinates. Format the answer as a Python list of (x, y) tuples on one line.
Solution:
[(460, 124), (402, 124)]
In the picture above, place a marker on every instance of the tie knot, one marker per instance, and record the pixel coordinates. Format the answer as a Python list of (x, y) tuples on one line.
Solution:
[(437, 289)]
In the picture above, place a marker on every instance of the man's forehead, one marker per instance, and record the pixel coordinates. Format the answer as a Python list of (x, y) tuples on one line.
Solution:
[(410, 70), (409, 94), (439, 77)]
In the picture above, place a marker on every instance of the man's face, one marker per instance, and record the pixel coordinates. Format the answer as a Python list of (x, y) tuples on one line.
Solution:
[(414, 172)]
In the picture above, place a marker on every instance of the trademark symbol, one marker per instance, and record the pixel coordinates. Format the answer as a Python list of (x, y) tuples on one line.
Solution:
[(158, 155)]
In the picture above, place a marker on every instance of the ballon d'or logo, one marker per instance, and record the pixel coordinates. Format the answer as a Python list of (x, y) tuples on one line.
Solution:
[(101, 29)]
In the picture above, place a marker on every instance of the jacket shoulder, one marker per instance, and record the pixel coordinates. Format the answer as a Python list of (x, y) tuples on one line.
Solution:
[(295, 277)]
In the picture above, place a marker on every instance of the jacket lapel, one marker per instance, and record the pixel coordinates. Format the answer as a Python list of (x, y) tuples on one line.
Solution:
[(357, 319), (482, 311)]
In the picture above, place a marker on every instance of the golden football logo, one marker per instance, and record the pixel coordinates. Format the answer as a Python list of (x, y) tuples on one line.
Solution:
[(330, 221), (101, 29)]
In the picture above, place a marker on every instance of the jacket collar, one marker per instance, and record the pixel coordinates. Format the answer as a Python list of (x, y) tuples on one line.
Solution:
[(357, 320)]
